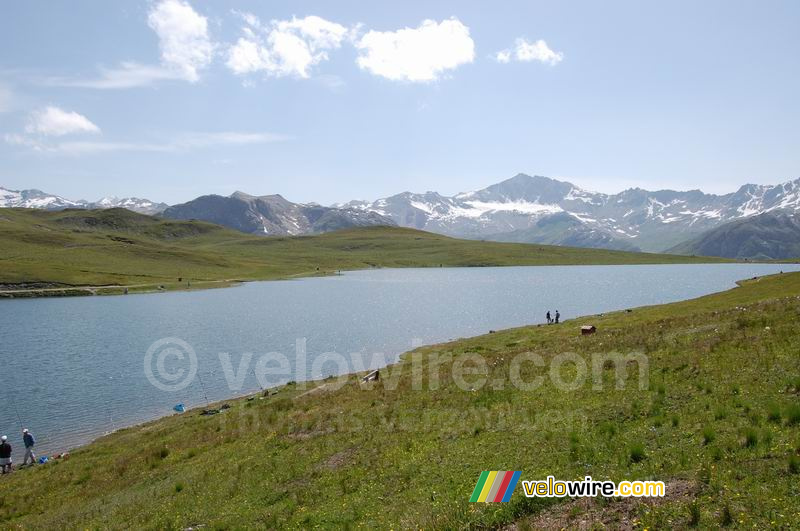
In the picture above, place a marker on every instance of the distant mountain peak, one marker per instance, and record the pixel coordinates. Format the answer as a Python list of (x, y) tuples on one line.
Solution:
[(34, 198), (633, 218), (241, 195), (272, 214)]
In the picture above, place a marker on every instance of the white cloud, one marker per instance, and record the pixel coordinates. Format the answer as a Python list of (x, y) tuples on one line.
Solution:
[(180, 143), (525, 51), (224, 138), (185, 45), (284, 47), (504, 56), (417, 54), (183, 37), (127, 75), (16, 139), (52, 121)]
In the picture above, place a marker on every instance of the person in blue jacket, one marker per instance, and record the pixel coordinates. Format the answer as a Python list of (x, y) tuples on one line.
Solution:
[(28, 440)]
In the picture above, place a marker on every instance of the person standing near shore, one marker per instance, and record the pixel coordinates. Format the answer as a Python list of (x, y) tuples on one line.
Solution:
[(5, 455), (558, 316), (28, 440), (548, 317)]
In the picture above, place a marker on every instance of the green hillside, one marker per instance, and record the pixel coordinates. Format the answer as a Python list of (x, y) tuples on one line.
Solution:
[(718, 420), (116, 247), (769, 236)]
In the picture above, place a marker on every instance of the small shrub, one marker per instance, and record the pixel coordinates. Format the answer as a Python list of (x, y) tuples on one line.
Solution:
[(655, 409), (750, 438), (793, 415), (675, 421), (609, 429), (720, 413), (716, 453), (178, 486), (774, 414), (794, 464), (726, 518), (637, 454), (694, 514), (708, 435), (574, 448), (163, 453), (766, 436)]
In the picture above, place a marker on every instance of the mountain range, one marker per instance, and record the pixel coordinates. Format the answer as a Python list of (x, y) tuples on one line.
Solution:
[(531, 209), (38, 199), (543, 210), (272, 215)]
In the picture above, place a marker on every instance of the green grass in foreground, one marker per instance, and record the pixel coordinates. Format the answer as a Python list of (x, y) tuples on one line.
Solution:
[(118, 247), (719, 423)]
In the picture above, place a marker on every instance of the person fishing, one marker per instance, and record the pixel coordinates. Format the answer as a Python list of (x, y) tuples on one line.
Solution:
[(29, 441), (558, 316), (5, 455), (548, 317)]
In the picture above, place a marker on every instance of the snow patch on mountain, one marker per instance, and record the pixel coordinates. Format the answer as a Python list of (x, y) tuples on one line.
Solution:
[(41, 200), (653, 221)]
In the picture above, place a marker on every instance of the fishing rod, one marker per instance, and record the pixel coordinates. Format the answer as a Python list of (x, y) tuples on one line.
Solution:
[(202, 385), (14, 403), (255, 374)]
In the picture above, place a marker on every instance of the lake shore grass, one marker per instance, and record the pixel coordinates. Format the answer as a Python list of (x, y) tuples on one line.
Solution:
[(718, 421), (80, 252)]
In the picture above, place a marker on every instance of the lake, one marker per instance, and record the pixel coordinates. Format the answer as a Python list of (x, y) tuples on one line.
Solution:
[(75, 367)]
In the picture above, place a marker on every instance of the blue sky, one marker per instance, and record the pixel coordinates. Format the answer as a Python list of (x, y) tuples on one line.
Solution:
[(331, 101)]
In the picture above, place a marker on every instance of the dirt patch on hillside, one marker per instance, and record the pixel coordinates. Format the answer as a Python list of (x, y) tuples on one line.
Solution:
[(340, 459)]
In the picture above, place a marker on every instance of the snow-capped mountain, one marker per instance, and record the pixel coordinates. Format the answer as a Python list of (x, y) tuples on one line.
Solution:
[(45, 201), (543, 210), (142, 206), (521, 209), (35, 199), (272, 215)]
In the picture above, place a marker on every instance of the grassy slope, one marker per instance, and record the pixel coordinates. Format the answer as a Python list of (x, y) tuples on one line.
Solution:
[(118, 247), (725, 365)]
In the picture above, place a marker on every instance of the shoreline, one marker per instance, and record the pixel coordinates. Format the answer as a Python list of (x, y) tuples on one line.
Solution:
[(142, 289), (314, 384)]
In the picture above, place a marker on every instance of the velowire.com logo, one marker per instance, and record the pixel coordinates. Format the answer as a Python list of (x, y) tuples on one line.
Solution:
[(495, 486)]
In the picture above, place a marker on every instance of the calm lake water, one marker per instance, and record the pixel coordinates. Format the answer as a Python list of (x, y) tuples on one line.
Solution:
[(74, 367)]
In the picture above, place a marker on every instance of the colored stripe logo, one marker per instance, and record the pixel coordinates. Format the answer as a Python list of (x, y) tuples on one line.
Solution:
[(494, 486)]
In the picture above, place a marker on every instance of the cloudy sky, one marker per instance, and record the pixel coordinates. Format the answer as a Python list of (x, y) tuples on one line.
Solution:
[(331, 101)]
